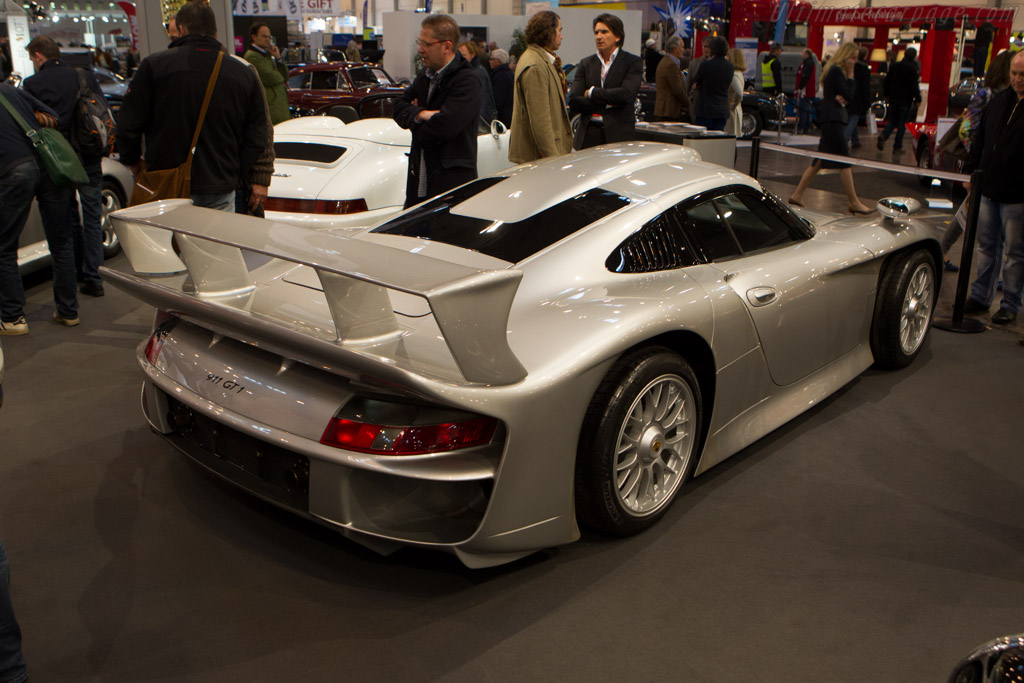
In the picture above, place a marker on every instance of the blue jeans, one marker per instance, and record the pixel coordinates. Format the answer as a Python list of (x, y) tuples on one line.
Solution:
[(88, 232), (999, 225), (17, 188), (12, 662), (711, 124), (221, 202), (852, 136), (804, 111), (899, 114)]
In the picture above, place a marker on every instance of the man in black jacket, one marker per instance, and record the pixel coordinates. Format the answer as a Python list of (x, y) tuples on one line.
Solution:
[(440, 109), (22, 178), (56, 85), (858, 106), (605, 88), (903, 90), (162, 107), (997, 149), (503, 85)]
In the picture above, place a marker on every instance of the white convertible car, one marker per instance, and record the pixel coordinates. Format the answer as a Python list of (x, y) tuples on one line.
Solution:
[(329, 174), (566, 341)]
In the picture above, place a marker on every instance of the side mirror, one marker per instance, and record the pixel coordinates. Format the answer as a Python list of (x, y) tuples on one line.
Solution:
[(898, 207), (997, 661), (497, 128)]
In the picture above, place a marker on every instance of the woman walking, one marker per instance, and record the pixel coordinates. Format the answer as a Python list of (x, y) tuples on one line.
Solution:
[(739, 64), (838, 84)]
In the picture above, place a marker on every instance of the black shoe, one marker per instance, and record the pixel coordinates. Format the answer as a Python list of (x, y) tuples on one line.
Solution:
[(1004, 316), (950, 267), (898, 149), (855, 145), (880, 143), (971, 306), (92, 289)]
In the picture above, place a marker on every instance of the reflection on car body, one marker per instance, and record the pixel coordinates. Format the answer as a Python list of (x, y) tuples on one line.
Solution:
[(565, 341)]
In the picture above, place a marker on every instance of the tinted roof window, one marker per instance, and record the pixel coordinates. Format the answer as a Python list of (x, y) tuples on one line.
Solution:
[(302, 151), (507, 241)]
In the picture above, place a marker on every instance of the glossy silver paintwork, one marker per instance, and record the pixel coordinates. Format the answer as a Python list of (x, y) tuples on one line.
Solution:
[(527, 343)]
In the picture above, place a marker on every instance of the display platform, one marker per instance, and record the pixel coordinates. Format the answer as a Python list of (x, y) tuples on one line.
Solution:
[(714, 147)]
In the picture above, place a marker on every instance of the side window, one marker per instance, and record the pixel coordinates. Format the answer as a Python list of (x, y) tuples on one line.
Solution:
[(324, 80), (714, 236), (299, 81), (658, 245), (755, 225)]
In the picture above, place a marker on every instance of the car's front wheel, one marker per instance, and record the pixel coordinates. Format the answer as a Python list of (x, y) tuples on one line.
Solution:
[(113, 199), (903, 313), (639, 441)]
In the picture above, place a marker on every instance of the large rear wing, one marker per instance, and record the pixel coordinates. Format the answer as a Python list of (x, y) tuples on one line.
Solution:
[(470, 306)]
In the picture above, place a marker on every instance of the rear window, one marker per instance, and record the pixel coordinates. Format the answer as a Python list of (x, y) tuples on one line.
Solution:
[(511, 242), (367, 76), (305, 151)]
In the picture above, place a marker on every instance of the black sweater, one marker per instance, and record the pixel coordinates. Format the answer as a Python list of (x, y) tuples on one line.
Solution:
[(162, 106)]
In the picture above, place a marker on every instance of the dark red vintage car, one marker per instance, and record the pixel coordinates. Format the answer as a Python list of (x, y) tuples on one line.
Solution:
[(315, 88)]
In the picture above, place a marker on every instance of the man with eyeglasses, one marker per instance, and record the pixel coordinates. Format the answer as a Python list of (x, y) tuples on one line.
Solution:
[(440, 110)]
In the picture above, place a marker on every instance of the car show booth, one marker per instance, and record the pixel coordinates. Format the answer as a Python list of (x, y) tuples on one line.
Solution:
[(938, 23)]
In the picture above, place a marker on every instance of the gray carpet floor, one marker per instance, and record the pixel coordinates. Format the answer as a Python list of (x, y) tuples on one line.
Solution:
[(879, 537)]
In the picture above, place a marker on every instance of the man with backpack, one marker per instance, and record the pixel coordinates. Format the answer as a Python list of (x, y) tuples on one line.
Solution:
[(64, 88)]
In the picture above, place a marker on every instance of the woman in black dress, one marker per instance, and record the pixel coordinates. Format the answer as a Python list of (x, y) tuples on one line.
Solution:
[(838, 86)]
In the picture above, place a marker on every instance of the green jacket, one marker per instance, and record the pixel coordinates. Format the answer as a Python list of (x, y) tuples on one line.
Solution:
[(273, 77)]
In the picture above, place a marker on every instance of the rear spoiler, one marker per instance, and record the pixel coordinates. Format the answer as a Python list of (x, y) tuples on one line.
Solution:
[(470, 306)]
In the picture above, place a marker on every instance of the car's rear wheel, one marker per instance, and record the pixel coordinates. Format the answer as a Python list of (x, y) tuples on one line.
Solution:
[(113, 199), (639, 441), (753, 123), (903, 313)]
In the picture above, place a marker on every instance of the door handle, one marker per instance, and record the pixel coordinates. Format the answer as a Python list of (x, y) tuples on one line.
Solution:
[(761, 296)]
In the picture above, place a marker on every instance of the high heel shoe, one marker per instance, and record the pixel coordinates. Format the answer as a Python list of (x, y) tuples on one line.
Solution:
[(795, 202), (863, 212)]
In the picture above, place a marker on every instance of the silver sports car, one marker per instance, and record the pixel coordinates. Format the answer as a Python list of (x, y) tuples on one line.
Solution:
[(568, 341)]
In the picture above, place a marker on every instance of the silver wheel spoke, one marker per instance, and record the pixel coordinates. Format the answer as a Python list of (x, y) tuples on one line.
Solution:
[(654, 445)]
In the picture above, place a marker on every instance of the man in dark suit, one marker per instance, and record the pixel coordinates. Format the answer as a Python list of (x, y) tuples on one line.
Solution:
[(903, 90), (671, 102), (440, 109), (605, 88)]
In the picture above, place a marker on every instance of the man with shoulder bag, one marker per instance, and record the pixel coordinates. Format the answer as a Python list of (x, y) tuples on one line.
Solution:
[(202, 118)]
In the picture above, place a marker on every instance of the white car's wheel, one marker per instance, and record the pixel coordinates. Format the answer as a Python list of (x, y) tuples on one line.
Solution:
[(113, 199), (903, 313), (639, 441)]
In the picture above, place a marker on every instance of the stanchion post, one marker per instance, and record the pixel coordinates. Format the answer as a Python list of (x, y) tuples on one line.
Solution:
[(755, 156), (958, 323)]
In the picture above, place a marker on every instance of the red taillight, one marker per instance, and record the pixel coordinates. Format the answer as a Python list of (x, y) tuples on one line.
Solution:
[(162, 324), (329, 206), (415, 440)]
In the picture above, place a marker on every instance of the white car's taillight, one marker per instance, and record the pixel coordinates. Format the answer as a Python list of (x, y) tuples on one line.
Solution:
[(162, 325), (325, 206)]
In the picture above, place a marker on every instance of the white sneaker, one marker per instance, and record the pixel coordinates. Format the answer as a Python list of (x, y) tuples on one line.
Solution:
[(14, 328), (69, 322)]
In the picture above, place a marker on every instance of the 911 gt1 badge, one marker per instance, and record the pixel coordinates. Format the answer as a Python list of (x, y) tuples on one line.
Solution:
[(229, 385)]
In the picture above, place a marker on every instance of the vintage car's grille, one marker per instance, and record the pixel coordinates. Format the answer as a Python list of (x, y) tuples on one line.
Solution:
[(267, 470)]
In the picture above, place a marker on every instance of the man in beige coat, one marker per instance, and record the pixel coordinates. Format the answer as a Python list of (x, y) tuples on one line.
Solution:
[(671, 103), (540, 122)]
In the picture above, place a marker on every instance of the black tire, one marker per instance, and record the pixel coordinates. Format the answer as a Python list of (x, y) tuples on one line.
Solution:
[(638, 386), (904, 309), (924, 160), (113, 199), (752, 123)]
